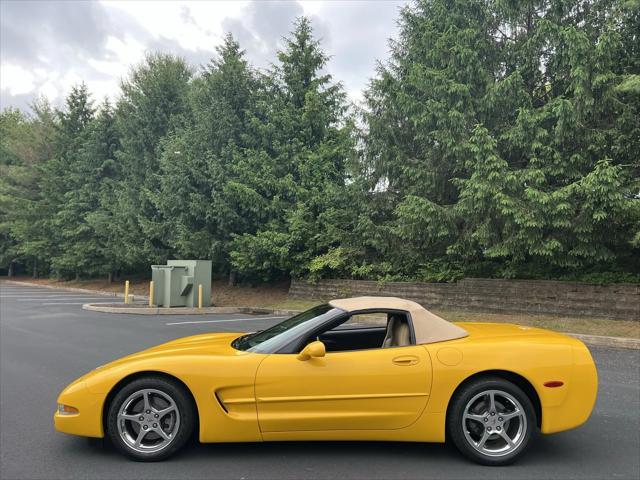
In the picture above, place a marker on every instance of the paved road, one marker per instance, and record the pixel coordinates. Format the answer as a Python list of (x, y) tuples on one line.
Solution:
[(46, 341)]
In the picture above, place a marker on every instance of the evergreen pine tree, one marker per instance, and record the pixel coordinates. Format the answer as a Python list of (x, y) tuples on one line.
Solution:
[(154, 103), (292, 177), (198, 194)]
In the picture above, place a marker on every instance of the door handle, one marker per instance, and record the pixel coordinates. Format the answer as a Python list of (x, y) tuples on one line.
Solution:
[(406, 360)]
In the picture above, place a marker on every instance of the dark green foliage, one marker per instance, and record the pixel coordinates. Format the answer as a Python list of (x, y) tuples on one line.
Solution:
[(87, 243), (27, 147), (64, 178), (17, 177), (500, 138), (198, 194), (507, 133), (154, 102), (292, 179)]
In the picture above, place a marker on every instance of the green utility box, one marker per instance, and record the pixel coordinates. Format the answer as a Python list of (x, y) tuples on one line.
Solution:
[(176, 284)]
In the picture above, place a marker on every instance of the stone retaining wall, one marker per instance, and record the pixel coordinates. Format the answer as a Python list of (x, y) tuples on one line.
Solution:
[(616, 301)]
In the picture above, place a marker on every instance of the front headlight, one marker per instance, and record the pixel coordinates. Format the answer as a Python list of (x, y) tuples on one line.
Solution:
[(66, 409)]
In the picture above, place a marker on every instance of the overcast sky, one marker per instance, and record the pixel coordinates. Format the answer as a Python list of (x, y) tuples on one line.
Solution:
[(47, 46)]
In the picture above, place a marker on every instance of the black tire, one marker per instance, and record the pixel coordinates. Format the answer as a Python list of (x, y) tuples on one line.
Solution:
[(158, 389), (463, 434)]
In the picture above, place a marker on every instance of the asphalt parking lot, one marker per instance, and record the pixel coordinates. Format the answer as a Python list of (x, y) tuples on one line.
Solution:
[(47, 340)]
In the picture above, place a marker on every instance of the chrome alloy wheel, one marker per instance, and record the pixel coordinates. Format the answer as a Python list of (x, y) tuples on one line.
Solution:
[(494, 423), (148, 420)]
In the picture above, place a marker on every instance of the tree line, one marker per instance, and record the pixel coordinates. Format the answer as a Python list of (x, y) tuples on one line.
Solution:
[(499, 139)]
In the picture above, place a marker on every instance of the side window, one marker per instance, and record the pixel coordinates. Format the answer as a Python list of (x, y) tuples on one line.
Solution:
[(366, 320), (365, 331)]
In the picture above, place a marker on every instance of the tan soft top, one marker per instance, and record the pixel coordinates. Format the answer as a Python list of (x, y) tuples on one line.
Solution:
[(428, 328)]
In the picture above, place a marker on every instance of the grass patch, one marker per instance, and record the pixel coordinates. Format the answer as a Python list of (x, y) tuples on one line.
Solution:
[(584, 325), (294, 304)]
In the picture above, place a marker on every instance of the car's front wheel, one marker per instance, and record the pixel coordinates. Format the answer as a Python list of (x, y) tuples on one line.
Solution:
[(150, 418), (491, 421)]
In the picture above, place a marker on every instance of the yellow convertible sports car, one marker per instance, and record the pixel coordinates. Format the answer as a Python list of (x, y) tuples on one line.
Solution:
[(368, 368)]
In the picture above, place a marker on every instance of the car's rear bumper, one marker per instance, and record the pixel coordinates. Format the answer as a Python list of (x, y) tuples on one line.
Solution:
[(580, 398)]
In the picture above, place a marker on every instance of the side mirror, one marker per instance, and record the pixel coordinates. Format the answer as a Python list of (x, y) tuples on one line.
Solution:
[(313, 350)]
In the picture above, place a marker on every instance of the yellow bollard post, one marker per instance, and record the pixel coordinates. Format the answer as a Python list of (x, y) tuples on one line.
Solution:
[(126, 291), (151, 293), (200, 296)]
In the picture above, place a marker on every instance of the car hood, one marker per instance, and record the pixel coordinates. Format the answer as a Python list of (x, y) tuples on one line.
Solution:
[(213, 342), (217, 344), (170, 357)]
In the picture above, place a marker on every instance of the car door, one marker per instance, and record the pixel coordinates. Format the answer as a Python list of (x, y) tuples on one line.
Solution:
[(383, 388)]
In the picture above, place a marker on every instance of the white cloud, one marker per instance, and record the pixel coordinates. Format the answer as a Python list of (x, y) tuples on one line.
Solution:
[(193, 25), (49, 90), (99, 42), (122, 55), (16, 80)]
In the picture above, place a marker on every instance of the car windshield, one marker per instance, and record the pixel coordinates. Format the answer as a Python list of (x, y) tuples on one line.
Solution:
[(273, 339)]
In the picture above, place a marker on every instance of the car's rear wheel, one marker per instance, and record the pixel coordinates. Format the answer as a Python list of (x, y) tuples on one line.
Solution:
[(491, 421), (150, 418)]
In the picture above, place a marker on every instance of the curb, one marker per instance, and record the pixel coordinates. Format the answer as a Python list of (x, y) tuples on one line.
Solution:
[(612, 342), (112, 308), (69, 289)]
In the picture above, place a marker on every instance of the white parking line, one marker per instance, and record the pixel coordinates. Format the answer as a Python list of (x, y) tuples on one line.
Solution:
[(55, 295), (22, 294), (44, 297), (223, 321), (5, 289), (62, 303), (60, 295), (50, 291), (70, 297)]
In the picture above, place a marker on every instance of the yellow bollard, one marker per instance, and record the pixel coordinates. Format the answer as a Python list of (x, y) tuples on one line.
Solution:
[(200, 296), (126, 291), (151, 293)]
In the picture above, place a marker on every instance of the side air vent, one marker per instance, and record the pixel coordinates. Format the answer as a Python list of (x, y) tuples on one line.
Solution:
[(221, 404)]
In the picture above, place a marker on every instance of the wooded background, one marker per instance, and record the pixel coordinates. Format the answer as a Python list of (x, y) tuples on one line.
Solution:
[(499, 139)]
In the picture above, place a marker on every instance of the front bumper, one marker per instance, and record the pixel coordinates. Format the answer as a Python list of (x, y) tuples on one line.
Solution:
[(88, 421)]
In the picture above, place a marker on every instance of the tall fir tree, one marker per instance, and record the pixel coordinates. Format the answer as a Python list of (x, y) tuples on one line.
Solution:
[(62, 179), (292, 177), (25, 146), (198, 194), (85, 243), (154, 102)]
